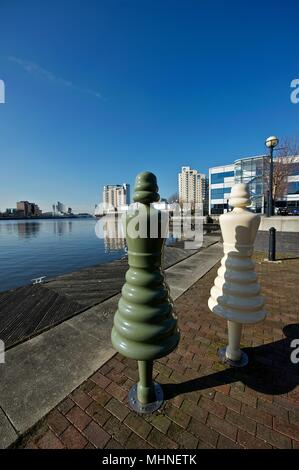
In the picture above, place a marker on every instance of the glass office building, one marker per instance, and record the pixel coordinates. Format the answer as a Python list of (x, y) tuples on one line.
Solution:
[(252, 170)]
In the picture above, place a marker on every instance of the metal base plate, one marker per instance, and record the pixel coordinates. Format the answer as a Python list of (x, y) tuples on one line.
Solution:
[(242, 362), (135, 404)]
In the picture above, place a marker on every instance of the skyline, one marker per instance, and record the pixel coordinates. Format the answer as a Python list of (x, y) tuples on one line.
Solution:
[(95, 95)]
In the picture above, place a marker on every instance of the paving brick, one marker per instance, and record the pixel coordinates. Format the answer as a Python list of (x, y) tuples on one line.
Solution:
[(212, 407), (132, 373), (257, 415), (203, 432), (284, 427), (100, 380), (99, 414), (250, 442), (112, 444), (243, 397), (105, 368), (160, 422), (177, 415), (81, 398), (73, 439), (177, 401), (96, 435), (228, 402), (225, 443), (87, 386), (117, 392), (194, 411), (65, 406), (99, 395), (241, 421), (138, 425), (118, 409), (78, 418), (222, 426), (159, 441), (272, 437), (203, 445), (50, 441), (117, 365), (165, 370), (57, 422), (31, 445), (136, 442), (117, 430), (271, 409), (185, 439)]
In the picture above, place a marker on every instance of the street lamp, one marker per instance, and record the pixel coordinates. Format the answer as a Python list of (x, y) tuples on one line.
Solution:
[(271, 142)]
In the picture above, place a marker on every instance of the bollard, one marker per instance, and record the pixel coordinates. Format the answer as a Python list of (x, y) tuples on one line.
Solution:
[(235, 295), (272, 244), (145, 327)]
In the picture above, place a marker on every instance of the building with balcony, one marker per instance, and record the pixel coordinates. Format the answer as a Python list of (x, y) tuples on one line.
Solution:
[(193, 187), (116, 195)]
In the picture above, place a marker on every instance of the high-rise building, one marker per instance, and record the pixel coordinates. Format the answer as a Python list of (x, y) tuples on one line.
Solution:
[(116, 195), (193, 186)]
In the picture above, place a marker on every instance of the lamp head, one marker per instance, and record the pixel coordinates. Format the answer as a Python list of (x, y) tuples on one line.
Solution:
[(272, 141)]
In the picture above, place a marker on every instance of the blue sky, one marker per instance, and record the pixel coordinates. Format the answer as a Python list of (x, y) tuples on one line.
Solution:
[(99, 90)]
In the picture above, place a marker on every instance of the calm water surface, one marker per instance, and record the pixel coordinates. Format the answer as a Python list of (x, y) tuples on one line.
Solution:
[(34, 248)]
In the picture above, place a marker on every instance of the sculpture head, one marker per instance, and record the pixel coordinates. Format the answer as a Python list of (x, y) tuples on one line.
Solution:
[(240, 196)]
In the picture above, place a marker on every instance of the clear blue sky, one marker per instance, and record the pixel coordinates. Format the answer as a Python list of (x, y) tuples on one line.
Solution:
[(99, 90)]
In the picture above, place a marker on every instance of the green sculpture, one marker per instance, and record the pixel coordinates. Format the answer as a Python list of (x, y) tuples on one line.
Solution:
[(145, 327)]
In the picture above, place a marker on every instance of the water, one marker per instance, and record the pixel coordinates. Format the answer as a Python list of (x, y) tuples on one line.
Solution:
[(34, 248)]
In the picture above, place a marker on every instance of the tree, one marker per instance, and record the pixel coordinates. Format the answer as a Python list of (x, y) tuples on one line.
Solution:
[(284, 158)]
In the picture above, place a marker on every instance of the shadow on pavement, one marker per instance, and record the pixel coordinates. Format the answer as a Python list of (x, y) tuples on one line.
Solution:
[(269, 370)]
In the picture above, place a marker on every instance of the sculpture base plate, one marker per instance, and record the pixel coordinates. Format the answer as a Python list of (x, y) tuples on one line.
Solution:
[(242, 362), (135, 404)]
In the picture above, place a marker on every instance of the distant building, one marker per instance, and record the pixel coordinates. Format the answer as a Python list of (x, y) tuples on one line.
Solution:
[(60, 208), (193, 187), (251, 170), (28, 209), (221, 180), (117, 195)]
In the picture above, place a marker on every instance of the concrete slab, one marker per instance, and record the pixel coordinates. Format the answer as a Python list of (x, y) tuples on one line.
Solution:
[(39, 373), (7, 431)]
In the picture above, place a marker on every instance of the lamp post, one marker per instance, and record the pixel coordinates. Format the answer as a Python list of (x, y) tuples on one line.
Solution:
[(271, 142)]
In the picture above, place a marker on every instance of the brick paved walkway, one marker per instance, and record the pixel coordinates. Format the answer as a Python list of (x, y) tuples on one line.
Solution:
[(208, 404)]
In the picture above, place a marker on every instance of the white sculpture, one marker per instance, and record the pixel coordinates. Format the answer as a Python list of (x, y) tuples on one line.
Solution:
[(235, 295)]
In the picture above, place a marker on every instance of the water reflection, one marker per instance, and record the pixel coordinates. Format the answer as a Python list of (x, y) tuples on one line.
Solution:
[(60, 227), (113, 234), (26, 230)]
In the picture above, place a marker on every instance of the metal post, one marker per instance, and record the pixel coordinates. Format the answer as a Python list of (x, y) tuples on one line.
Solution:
[(270, 201), (272, 244)]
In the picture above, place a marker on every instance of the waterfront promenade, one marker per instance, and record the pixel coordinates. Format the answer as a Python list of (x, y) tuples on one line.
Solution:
[(208, 405), (39, 372)]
